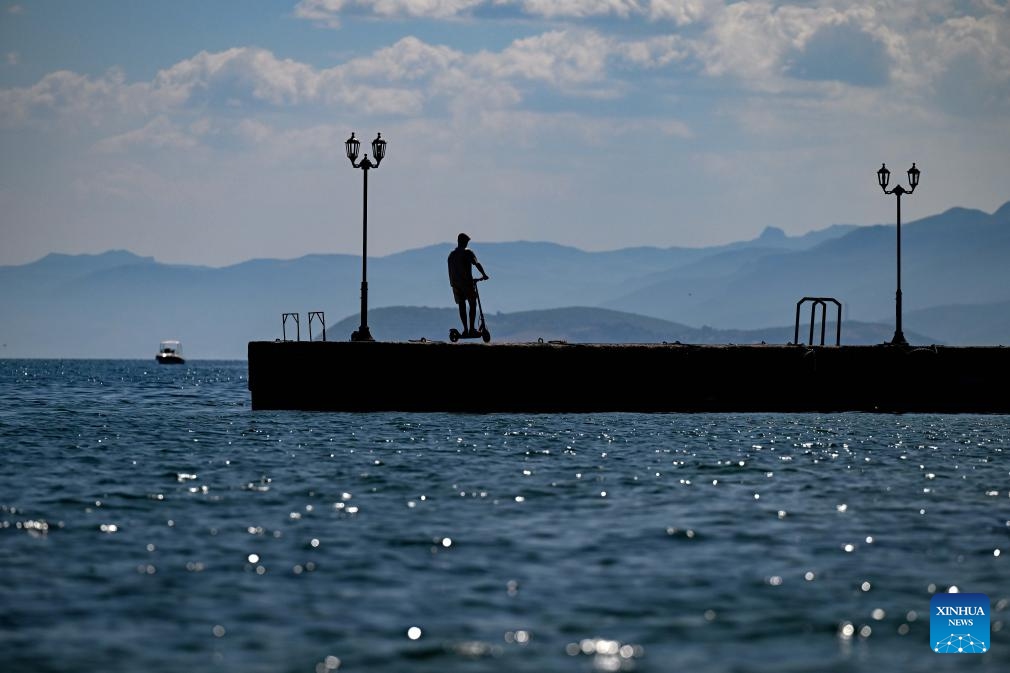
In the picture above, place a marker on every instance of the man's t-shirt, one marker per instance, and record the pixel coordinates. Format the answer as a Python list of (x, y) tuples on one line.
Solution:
[(460, 262)]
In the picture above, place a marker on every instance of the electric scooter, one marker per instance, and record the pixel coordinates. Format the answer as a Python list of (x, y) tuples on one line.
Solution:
[(482, 331)]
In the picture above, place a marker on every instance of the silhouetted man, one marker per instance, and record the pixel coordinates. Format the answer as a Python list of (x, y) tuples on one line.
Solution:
[(464, 287)]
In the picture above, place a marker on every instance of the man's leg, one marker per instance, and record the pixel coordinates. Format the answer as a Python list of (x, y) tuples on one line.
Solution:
[(473, 316), (462, 314)]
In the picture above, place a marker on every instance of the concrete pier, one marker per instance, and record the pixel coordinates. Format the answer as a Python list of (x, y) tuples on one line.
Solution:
[(474, 377)]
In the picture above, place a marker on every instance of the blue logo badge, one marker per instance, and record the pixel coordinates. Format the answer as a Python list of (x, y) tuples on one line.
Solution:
[(959, 623)]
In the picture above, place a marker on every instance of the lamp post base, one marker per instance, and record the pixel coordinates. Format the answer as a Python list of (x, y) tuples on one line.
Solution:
[(361, 334), (898, 340)]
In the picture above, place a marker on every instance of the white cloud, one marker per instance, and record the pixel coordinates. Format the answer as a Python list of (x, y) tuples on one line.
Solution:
[(682, 12), (579, 9), (774, 47), (159, 133), (561, 58), (255, 73), (247, 76), (969, 65), (324, 12), (73, 98), (749, 40), (995, 6), (13, 58), (419, 8), (655, 52), (407, 59), (764, 46), (327, 12)]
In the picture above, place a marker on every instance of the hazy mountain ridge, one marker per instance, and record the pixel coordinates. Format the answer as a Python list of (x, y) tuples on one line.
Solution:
[(955, 284), (584, 324), (952, 258)]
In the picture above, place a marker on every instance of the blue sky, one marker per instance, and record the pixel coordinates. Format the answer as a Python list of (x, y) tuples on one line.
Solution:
[(212, 132)]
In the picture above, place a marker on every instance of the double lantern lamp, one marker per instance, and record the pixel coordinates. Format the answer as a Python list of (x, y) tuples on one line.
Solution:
[(883, 178), (352, 145)]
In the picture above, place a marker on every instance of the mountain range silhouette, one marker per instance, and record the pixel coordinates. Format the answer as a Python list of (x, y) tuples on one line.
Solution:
[(955, 283)]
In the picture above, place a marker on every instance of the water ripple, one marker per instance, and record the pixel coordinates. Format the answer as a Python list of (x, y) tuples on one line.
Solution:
[(150, 521)]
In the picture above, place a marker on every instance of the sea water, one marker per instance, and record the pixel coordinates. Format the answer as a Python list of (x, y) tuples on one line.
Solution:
[(151, 521)]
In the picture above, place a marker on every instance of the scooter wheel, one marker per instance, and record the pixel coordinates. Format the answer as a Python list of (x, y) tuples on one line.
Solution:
[(486, 336), (454, 335)]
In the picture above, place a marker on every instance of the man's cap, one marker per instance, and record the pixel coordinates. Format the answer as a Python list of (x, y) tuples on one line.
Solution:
[(462, 238)]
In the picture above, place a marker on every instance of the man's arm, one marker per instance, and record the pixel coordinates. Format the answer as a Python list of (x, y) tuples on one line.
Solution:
[(473, 260)]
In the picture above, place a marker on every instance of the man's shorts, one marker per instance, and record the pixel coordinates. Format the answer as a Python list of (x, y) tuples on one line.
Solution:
[(462, 294)]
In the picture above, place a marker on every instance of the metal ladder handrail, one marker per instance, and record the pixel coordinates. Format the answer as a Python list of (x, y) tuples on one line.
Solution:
[(823, 303), (284, 322), (317, 315)]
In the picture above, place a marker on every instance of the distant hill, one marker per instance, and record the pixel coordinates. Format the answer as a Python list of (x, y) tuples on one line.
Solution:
[(956, 257), (966, 324), (955, 282), (596, 325)]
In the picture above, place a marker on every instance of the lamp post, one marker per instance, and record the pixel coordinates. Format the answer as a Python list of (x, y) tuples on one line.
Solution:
[(352, 145), (883, 177)]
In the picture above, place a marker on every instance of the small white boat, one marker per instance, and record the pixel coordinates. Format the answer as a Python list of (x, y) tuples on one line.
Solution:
[(170, 353)]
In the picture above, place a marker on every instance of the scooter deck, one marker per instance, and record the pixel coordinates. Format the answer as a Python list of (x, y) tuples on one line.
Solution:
[(483, 333)]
